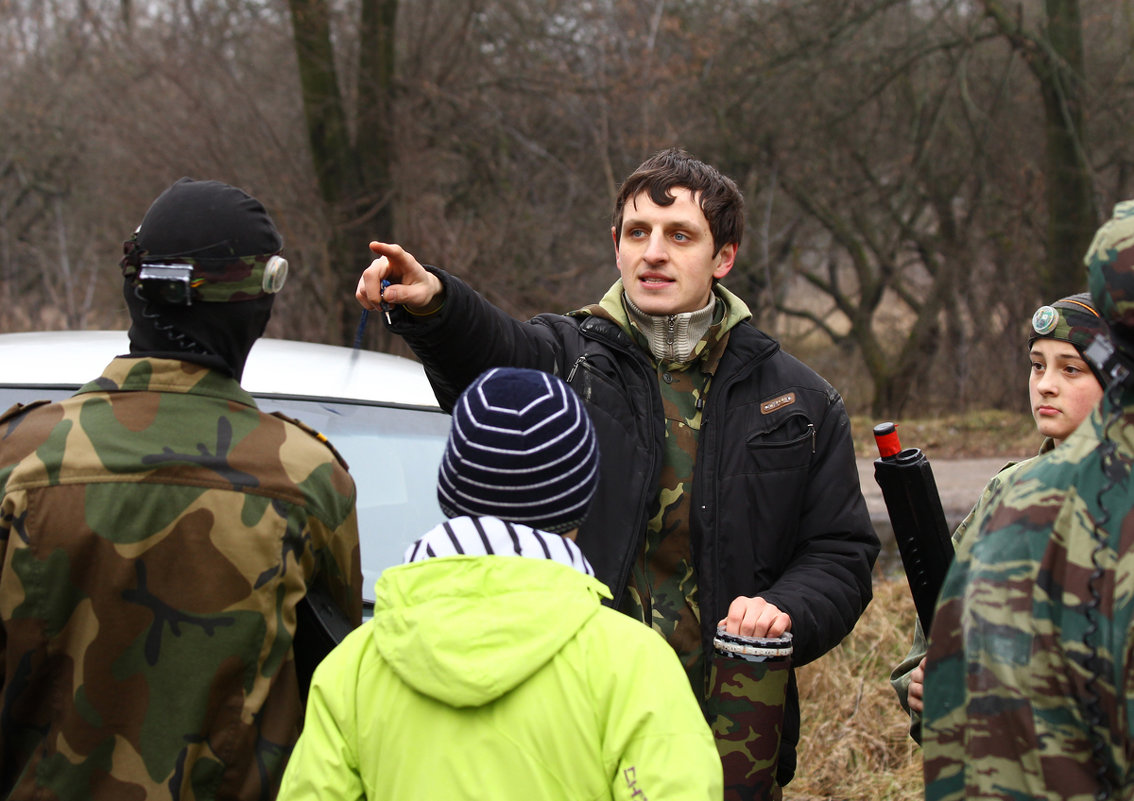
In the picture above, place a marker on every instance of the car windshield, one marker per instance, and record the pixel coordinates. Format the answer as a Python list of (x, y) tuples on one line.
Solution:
[(393, 454)]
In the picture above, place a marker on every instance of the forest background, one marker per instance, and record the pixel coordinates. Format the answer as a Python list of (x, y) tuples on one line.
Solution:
[(919, 174)]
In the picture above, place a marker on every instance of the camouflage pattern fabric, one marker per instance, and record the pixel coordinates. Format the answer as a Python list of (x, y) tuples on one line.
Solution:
[(231, 280), (745, 710), (158, 531), (662, 588), (1071, 319), (900, 675), (1110, 267), (1032, 624)]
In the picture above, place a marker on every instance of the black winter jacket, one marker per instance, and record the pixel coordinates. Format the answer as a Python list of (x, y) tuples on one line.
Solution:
[(777, 507)]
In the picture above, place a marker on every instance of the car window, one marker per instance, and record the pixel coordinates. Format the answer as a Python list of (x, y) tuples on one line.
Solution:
[(393, 454)]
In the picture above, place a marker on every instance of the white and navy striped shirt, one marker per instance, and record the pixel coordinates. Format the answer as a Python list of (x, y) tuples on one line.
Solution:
[(490, 536)]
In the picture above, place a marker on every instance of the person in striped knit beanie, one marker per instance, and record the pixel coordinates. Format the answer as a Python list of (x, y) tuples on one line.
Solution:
[(491, 668)]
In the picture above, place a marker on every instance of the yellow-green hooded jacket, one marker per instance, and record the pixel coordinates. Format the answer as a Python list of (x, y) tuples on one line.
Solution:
[(501, 677)]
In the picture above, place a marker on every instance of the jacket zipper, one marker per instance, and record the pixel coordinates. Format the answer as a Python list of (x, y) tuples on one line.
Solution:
[(633, 353), (575, 366)]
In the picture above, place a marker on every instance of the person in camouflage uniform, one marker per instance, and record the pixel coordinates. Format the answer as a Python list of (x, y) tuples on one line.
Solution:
[(1029, 671), (1063, 389), (158, 533), (729, 491)]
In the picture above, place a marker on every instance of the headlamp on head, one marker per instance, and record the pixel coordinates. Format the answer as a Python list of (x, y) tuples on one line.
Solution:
[(166, 283), (178, 281)]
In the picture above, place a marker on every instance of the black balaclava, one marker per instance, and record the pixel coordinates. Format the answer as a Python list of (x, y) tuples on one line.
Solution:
[(209, 222)]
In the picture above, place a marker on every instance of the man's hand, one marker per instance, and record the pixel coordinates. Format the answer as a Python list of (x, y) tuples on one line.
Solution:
[(411, 285), (916, 697), (755, 617)]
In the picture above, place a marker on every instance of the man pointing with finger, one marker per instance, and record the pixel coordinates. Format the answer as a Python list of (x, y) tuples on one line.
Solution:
[(729, 493)]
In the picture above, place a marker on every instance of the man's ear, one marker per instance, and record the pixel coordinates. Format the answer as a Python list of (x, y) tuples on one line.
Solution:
[(614, 237), (726, 258)]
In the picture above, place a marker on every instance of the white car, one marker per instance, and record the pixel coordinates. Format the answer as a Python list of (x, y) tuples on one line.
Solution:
[(377, 409)]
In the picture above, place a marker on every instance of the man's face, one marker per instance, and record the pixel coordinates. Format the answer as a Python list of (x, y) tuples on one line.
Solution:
[(1062, 389), (666, 254)]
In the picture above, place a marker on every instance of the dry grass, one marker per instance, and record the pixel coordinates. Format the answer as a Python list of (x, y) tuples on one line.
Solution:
[(973, 434), (854, 742)]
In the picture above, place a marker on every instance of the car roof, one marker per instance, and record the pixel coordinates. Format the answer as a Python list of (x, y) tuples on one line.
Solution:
[(278, 367)]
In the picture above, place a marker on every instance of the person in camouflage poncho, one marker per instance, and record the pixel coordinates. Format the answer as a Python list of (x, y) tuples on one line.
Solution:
[(158, 532), (1029, 670)]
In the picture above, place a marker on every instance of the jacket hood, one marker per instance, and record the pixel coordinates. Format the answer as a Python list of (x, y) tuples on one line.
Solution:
[(467, 629)]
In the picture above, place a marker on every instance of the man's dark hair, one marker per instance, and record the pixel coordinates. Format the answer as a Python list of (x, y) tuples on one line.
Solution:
[(717, 194)]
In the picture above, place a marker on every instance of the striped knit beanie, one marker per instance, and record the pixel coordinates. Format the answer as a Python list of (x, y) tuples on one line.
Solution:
[(521, 448)]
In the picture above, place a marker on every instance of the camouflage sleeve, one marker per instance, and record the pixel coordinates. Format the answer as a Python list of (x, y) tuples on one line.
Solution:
[(900, 675), (7, 515), (1009, 672), (11, 513), (325, 764), (900, 678), (339, 564), (332, 523)]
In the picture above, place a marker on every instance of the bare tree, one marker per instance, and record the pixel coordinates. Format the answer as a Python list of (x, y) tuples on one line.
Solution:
[(1052, 48), (899, 171), (350, 147)]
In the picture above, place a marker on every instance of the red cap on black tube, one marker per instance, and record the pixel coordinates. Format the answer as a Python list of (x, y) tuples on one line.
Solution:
[(886, 435)]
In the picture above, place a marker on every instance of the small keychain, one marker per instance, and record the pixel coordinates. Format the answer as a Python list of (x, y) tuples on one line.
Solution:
[(384, 305)]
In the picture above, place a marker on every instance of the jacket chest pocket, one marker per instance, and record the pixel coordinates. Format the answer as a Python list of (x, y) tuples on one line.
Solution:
[(596, 381), (785, 444)]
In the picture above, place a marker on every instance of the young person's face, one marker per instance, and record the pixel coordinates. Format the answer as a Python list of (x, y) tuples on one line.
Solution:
[(665, 254), (1062, 389)]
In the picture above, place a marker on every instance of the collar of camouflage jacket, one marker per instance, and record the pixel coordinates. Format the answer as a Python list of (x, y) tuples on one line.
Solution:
[(147, 374)]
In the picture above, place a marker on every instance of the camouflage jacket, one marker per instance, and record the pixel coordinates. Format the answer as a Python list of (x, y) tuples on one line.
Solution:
[(158, 531), (1034, 622)]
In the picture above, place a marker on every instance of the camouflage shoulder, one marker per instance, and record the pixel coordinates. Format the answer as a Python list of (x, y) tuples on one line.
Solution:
[(593, 310), (21, 408), (315, 434)]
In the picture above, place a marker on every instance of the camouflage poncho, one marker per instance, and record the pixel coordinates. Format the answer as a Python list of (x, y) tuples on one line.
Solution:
[(158, 531), (1027, 633)]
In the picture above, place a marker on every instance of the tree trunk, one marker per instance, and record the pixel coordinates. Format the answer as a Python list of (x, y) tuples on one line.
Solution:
[(1055, 56), (353, 173), (1072, 215)]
